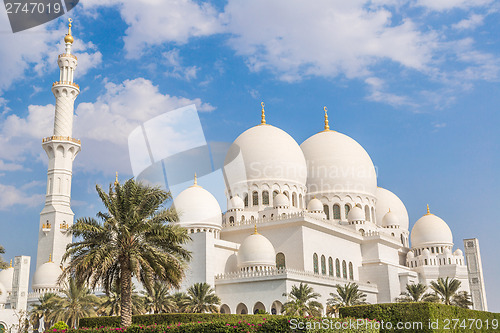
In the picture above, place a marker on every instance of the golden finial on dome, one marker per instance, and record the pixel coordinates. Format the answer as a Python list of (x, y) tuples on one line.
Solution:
[(195, 179), (50, 258), (255, 229), (68, 38), (263, 115), (428, 210), (327, 127), (10, 263), (116, 179)]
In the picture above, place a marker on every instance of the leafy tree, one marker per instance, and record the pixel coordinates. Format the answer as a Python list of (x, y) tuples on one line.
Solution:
[(417, 293), (446, 289), (3, 264), (462, 299), (181, 302), (158, 300), (111, 303), (202, 298), (77, 301), (133, 238), (302, 301), (347, 295), (42, 310)]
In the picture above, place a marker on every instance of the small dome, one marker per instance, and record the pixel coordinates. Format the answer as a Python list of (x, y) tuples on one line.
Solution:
[(6, 277), (3, 294), (281, 200), (46, 276), (236, 203), (447, 250), (458, 252), (410, 255), (426, 252), (198, 207), (256, 250), (390, 219), (315, 205), (387, 200), (356, 214), (431, 230)]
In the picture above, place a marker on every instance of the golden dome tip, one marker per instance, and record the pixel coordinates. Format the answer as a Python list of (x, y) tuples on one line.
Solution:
[(69, 38), (263, 115)]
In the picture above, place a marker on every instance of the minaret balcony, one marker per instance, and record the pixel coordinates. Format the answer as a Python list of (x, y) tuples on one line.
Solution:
[(60, 138), (66, 83), (68, 55)]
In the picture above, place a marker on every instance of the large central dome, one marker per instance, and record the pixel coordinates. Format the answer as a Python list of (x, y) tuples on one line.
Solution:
[(264, 153), (337, 164)]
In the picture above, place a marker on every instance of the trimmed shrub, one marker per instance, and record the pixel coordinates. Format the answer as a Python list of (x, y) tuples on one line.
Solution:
[(425, 317), (59, 326)]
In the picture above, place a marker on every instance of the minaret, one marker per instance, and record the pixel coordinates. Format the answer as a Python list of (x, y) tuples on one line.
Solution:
[(61, 148)]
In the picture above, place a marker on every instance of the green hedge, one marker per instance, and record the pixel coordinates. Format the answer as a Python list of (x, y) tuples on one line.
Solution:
[(431, 316), (223, 323), (169, 318)]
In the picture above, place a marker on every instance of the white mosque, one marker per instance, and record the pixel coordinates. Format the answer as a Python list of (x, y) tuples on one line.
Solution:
[(308, 213)]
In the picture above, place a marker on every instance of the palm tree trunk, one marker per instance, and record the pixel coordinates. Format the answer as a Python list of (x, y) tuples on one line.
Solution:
[(126, 295)]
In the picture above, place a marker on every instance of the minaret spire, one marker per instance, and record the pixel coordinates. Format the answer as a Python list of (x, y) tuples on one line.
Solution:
[(61, 148)]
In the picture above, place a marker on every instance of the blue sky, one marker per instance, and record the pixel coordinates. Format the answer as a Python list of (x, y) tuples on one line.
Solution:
[(416, 83)]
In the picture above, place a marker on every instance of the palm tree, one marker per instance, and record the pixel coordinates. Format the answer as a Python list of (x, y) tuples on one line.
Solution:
[(347, 295), (158, 299), (417, 293), (111, 303), (462, 299), (77, 302), (446, 289), (133, 238), (42, 310), (302, 301), (202, 298), (3, 264), (181, 301)]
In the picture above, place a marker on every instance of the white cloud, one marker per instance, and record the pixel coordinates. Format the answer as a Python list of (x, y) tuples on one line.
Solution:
[(104, 126), (472, 22), (11, 196), (442, 5), (377, 94), (298, 39), (153, 22), (173, 61), (37, 49)]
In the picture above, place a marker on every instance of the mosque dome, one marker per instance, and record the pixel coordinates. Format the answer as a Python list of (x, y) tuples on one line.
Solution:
[(315, 205), (426, 252), (390, 220), (430, 230), (338, 164), (196, 206), (281, 201), (256, 250), (3, 294), (410, 255), (447, 250), (387, 200), (356, 214), (264, 153), (46, 276), (458, 252), (236, 203), (6, 277)]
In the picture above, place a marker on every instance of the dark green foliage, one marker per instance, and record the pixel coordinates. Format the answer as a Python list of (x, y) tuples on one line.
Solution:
[(424, 313)]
